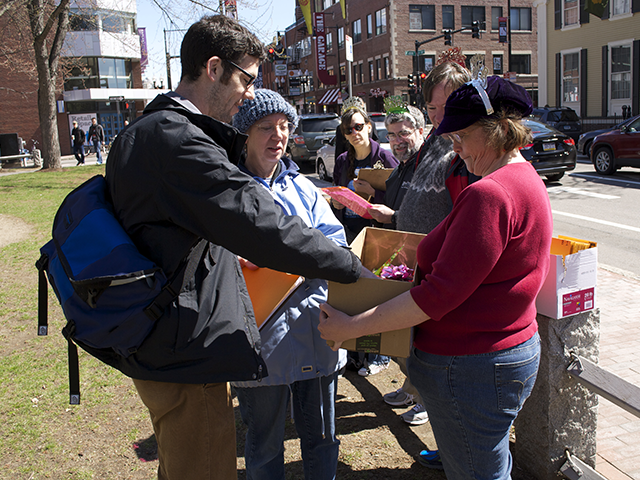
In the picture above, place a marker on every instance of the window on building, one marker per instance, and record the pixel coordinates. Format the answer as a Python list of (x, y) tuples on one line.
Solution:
[(329, 41), (571, 12), (80, 73), (387, 68), (82, 22), (343, 73), (378, 69), (520, 63), (520, 19), (305, 45), (340, 37), (496, 13), (114, 72), (361, 71), (381, 21), (621, 7), (422, 17), (571, 77), (371, 72), (356, 31), (426, 63), (497, 64), (369, 26), (355, 74), (472, 14), (621, 72), (328, 3), (448, 17), (117, 24)]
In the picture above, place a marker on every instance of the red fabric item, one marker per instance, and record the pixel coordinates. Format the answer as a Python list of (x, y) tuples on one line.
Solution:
[(484, 265)]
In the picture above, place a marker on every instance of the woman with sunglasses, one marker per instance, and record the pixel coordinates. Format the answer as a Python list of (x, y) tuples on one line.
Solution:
[(302, 369), (362, 152)]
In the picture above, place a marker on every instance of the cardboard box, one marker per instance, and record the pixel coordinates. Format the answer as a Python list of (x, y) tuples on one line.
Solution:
[(570, 287), (374, 246)]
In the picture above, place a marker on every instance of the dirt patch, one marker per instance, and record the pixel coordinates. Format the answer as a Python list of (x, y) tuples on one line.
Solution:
[(13, 229)]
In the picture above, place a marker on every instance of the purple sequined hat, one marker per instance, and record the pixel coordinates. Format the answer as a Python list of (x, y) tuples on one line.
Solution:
[(465, 106)]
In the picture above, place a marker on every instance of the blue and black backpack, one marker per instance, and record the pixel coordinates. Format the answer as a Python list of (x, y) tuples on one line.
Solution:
[(110, 293)]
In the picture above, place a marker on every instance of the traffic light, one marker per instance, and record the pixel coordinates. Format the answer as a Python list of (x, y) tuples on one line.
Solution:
[(447, 37), (475, 29), (422, 77), (411, 80), (271, 54)]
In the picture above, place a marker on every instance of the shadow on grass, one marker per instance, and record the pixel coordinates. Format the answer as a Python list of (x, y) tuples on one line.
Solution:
[(147, 449)]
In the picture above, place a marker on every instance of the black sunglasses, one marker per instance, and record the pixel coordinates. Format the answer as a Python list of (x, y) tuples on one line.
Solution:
[(252, 78), (357, 127)]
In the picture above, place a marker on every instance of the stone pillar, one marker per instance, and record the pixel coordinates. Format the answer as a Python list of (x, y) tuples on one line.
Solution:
[(560, 414)]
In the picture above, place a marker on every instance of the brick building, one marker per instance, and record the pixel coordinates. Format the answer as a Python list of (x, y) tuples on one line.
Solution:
[(100, 75), (383, 33)]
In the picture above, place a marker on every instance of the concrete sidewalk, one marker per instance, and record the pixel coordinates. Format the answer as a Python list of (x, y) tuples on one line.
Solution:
[(618, 433)]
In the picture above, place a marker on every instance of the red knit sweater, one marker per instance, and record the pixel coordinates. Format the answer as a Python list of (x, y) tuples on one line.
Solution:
[(484, 265)]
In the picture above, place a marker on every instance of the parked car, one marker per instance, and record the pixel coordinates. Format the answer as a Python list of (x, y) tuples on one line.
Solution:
[(326, 159), (552, 153), (586, 139), (563, 119), (381, 130), (617, 148), (313, 131)]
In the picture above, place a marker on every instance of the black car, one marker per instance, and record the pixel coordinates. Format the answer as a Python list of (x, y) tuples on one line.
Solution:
[(586, 139), (552, 152), (314, 130), (563, 119)]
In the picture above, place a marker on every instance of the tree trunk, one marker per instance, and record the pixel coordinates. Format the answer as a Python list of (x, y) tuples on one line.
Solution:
[(49, 29)]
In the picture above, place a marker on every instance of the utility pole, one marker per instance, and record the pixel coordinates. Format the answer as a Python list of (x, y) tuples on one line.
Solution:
[(168, 56)]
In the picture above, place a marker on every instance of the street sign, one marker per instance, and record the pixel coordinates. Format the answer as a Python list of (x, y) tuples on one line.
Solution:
[(502, 29), (410, 52), (116, 99), (348, 41), (421, 52)]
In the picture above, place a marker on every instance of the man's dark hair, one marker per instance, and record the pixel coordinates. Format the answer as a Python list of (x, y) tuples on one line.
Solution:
[(220, 36)]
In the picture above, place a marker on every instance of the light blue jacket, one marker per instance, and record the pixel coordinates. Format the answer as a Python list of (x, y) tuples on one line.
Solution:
[(291, 344)]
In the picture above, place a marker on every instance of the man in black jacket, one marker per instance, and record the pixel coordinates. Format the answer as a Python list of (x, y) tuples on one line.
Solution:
[(78, 143), (172, 178)]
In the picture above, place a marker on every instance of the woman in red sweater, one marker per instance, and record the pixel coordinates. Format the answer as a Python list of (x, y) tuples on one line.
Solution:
[(476, 348)]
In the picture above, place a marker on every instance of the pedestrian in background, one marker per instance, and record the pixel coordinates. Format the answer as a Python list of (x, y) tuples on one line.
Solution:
[(96, 135), (78, 143)]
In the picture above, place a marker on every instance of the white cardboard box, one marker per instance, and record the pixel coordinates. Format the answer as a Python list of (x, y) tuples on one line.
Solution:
[(570, 286)]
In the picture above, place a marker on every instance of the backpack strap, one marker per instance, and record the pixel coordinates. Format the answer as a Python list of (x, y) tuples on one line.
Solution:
[(74, 369), (43, 300), (173, 288)]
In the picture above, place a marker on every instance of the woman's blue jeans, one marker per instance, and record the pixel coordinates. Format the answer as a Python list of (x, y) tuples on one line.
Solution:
[(472, 401), (264, 411)]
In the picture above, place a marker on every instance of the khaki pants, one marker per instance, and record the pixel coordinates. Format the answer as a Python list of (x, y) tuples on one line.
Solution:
[(195, 429)]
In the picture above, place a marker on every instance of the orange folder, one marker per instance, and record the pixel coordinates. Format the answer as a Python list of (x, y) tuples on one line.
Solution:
[(268, 290)]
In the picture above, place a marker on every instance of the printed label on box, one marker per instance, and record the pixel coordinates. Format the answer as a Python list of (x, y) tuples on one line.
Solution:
[(369, 343), (576, 302)]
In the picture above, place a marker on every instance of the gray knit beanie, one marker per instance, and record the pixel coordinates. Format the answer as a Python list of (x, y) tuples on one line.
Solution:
[(266, 102)]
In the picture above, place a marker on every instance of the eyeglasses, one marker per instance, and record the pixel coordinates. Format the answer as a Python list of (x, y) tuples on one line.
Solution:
[(457, 137), (357, 127), (268, 128), (402, 134), (252, 78)]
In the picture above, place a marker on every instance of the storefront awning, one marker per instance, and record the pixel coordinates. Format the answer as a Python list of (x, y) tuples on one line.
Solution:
[(330, 96)]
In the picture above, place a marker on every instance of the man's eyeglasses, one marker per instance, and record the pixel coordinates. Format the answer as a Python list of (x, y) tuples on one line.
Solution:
[(357, 127), (403, 134), (252, 78)]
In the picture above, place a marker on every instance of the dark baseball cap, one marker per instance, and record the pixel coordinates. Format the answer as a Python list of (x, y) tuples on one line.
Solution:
[(465, 107)]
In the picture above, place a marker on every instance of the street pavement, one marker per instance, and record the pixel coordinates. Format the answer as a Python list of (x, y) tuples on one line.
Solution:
[(618, 298)]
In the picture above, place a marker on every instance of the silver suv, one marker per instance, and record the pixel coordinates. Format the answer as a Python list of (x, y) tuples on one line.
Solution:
[(314, 130)]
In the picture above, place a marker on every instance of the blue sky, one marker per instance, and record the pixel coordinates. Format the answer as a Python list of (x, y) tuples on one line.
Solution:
[(264, 17)]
